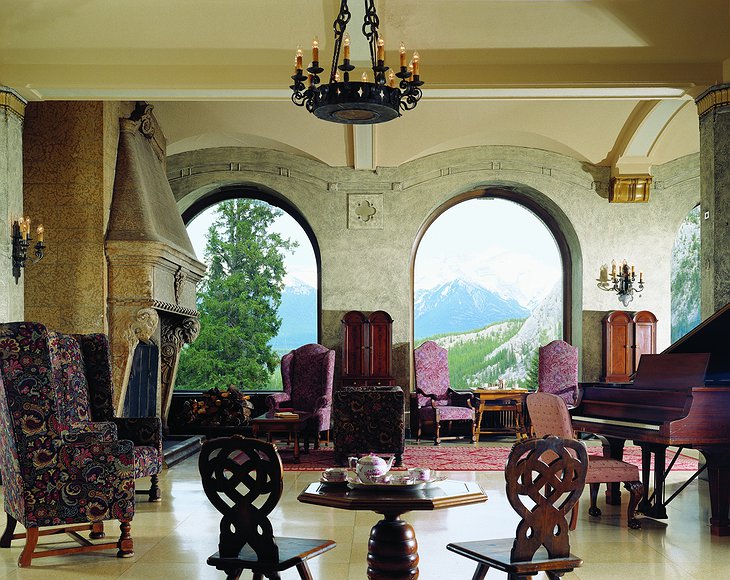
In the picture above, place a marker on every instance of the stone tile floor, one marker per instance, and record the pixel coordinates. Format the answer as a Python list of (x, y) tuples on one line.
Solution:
[(174, 538)]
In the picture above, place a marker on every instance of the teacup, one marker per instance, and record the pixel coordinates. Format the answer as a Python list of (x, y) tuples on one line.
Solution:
[(401, 479), (334, 474), (385, 478), (420, 473)]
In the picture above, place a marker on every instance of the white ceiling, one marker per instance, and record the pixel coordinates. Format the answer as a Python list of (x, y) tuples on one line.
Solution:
[(605, 81)]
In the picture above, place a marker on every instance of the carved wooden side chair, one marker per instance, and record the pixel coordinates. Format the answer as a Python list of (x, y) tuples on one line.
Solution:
[(550, 472), (243, 479)]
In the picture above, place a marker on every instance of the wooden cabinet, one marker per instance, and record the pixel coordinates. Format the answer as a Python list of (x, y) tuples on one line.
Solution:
[(626, 337), (367, 344)]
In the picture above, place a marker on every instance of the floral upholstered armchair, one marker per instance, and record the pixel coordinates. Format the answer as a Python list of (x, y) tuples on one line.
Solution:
[(558, 371), (437, 401), (307, 374), (52, 476)]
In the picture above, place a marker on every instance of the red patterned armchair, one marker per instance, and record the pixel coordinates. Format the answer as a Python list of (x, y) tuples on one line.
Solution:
[(437, 401), (307, 374), (558, 371), (52, 476), (81, 371)]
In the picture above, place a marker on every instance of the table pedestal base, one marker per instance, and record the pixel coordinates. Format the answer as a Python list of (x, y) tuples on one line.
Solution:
[(392, 550)]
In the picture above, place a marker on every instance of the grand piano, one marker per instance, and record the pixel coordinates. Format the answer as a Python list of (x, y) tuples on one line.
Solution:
[(680, 397)]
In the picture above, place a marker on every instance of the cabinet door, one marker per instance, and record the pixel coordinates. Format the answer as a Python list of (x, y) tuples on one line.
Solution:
[(354, 353), (617, 345), (644, 335), (380, 343)]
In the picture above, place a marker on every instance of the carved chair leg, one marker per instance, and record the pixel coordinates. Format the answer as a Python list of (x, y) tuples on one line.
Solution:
[(304, 571), (97, 531), (636, 489), (437, 440), (10, 524), (473, 431), (125, 544), (593, 510), (155, 493), (31, 540)]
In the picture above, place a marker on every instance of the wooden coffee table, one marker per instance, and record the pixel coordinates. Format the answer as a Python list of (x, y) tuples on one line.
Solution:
[(268, 423)]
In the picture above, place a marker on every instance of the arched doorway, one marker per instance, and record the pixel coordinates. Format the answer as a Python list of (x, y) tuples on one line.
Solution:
[(276, 280), (512, 282)]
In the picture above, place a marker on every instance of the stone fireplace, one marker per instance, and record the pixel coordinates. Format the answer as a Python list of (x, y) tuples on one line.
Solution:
[(152, 268)]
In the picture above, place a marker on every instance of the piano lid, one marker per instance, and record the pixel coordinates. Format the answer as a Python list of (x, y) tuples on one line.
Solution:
[(711, 335), (674, 371)]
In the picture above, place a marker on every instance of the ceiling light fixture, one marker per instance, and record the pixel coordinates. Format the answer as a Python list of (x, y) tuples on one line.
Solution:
[(357, 102)]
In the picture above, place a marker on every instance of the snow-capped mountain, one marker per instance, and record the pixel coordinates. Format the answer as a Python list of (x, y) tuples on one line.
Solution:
[(460, 305), (298, 313)]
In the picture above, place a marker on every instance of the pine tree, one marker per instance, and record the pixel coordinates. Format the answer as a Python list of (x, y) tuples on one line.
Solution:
[(239, 301)]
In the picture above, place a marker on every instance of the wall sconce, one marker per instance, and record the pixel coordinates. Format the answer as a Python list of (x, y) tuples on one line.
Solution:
[(21, 242), (623, 281)]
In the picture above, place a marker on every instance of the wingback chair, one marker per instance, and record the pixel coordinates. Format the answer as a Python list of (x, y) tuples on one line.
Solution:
[(81, 371), (52, 476), (550, 416), (557, 371), (437, 401), (307, 374)]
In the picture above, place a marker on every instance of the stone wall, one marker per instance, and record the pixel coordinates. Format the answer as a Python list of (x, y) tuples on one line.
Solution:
[(12, 109), (69, 159), (368, 265)]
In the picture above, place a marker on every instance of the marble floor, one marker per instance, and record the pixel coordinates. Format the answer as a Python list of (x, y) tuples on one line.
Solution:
[(172, 539)]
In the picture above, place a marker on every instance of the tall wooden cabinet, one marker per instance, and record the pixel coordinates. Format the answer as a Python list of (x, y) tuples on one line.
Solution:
[(626, 337), (367, 344)]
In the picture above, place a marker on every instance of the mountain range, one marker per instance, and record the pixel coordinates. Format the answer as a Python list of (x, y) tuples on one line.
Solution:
[(460, 305), (298, 313)]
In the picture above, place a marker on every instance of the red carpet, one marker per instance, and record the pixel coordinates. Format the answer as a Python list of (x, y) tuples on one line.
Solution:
[(455, 458)]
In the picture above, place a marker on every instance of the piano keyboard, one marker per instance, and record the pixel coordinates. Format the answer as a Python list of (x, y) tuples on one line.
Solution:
[(618, 423)]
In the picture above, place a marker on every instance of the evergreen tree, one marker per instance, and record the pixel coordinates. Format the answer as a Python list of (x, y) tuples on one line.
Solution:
[(239, 301)]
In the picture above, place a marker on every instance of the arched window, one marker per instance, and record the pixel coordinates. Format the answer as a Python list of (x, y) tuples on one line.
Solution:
[(488, 287), (260, 295), (685, 284)]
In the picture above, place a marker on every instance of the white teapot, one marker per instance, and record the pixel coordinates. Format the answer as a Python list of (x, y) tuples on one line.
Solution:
[(369, 467)]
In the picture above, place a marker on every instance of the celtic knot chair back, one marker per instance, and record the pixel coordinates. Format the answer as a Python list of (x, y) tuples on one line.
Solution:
[(551, 472), (243, 479)]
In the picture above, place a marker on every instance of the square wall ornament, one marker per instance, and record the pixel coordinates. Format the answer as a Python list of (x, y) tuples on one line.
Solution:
[(365, 211)]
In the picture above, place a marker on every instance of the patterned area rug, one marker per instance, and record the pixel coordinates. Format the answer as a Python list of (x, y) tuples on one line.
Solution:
[(456, 458)]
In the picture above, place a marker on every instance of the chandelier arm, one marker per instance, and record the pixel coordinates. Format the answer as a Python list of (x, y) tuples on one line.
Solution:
[(370, 29), (339, 26)]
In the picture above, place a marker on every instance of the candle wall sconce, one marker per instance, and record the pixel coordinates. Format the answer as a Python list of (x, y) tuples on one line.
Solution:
[(622, 281), (22, 242)]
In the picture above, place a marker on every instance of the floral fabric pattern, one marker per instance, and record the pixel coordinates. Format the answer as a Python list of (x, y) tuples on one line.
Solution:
[(307, 374), (45, 480), (558, 370), (368, 420)]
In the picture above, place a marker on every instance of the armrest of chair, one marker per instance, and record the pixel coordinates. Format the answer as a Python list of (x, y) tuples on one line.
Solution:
[(141, 430), (322, 402), (274, 401), (90, 432), (432, 398), (116, 458), (462, 399)]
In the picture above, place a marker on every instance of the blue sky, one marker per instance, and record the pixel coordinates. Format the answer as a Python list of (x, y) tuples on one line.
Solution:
[(494, 242)]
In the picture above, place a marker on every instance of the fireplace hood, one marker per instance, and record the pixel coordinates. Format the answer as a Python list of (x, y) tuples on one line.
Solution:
[(152, 268)]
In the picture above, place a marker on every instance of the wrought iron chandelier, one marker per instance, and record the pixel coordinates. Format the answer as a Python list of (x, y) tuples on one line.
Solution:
[(623, 282), (357, 102)]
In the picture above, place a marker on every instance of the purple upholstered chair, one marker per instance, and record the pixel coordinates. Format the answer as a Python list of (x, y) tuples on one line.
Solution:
[(307, 374), (558, 371), (549, 415), (53, 473), (437, 401)]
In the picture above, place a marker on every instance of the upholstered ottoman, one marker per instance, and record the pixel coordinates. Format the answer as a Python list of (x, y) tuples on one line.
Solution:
[(368, 420)]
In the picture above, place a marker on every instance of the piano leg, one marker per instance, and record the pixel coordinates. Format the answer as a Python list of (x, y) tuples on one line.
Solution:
[(613, 448), (718, 471), (655, 509)]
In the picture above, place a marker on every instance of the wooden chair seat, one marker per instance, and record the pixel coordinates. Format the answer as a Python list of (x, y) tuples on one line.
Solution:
[(497, 554)]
